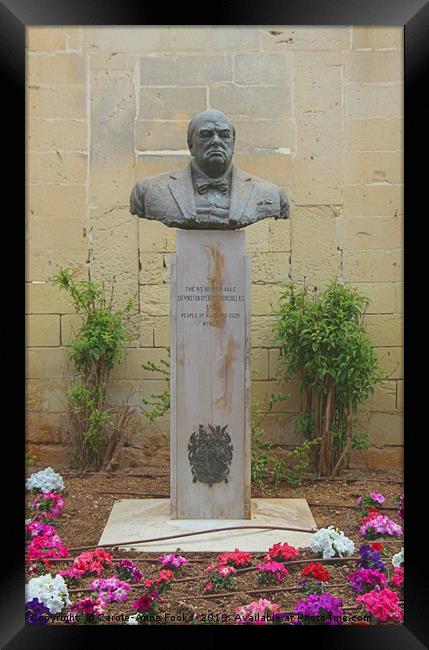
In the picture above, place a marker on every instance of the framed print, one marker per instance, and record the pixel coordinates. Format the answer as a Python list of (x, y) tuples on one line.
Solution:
[(214, 328)]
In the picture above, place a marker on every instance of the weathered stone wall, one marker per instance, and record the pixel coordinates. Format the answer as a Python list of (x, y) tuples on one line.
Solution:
[(317, 110)]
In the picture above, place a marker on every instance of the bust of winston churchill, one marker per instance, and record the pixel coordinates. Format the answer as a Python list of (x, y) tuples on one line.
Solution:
[(211, 192)]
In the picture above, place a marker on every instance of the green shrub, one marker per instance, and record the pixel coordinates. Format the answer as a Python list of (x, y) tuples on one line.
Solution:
[(324, 345), (98, 346)]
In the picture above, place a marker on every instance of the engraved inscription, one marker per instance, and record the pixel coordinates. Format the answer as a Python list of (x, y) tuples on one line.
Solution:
[(211, 304)]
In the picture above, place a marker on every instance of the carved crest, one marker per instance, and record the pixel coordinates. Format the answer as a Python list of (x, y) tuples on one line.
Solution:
[(210, 454)]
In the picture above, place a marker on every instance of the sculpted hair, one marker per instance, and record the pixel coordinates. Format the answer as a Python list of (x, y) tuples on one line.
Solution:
[(196, 120)]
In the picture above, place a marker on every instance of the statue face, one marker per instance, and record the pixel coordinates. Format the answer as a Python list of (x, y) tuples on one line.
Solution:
[(213, 145)]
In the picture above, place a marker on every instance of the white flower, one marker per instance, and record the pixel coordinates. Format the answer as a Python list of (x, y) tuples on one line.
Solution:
[(133, 620), (52, 592), (46, 481), (331, 542), (398, 559)]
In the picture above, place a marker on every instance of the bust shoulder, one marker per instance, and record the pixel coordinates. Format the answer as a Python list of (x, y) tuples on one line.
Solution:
[(154, 183), (268, 189)]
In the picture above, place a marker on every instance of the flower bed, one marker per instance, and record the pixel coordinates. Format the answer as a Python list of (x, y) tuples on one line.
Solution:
[(139, 588)]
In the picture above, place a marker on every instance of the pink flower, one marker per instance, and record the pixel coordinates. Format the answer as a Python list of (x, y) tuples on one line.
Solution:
[(210, 568), (376, 496), (398, 577), (36, 528), (380, 525), (275, 569), (45, 546), (226, 571), (48, 505), (88, 606), (383, 604), (208, 586), (256, 612)]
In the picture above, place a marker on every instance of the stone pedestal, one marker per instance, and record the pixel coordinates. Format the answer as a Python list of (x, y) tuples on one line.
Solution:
[(210, 376)]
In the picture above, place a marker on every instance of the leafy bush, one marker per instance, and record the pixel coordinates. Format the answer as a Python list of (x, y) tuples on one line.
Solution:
[(324, 345), (98, 346)]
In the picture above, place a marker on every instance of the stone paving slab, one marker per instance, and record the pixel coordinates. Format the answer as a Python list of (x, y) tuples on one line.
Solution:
[(135, 519)]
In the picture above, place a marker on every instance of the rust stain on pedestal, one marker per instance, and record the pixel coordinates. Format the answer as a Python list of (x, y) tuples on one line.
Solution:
[(214, 309), (226, 371)]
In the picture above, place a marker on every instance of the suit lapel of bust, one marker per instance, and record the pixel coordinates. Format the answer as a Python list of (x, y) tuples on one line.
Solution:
[(182, 189), (241, 190)]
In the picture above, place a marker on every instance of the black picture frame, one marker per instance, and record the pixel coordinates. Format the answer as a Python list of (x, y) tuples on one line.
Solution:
[(15, 16)]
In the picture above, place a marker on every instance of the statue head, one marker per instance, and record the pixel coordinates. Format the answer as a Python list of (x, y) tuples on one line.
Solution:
[(211, 138)]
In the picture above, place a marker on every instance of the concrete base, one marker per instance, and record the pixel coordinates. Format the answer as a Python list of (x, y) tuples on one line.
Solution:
[(134, 519)]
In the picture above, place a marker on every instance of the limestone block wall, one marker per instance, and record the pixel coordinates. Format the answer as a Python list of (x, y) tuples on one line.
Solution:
[(317, 110)]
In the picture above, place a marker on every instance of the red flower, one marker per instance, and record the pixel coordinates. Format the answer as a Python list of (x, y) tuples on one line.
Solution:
[(164, 576), (144, 603), (155, 595), (235, 559), (282, 552), (370, 516), (377, 546), (92, 561), (316, 570)]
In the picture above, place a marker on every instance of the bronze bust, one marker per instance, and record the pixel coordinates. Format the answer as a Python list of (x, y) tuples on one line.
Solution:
[(210, 193)]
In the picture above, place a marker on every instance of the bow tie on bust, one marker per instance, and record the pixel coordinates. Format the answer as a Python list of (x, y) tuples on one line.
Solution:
[(203, 185)]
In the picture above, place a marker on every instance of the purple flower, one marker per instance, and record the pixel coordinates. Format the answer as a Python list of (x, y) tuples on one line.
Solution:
[(363, 580), (319, 609), (106, 596), (137, 574), (110, 582), (36, 613), (370, 558), (109, 588), (120, 595), (127, 564), (173, 561), (36, 528), (128, 570)]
